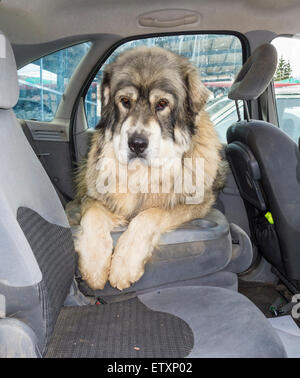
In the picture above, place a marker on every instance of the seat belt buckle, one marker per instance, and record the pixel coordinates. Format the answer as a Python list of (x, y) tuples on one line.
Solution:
[(269, 217)]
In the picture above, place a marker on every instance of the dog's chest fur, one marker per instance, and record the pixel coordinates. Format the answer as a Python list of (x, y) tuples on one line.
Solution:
[(121, 200)]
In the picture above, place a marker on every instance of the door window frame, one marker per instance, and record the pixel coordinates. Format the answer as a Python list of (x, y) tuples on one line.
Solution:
[(243, 40), (66, 87)]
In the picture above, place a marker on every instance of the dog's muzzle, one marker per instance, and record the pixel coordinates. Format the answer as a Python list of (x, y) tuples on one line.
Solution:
[(137, 144)]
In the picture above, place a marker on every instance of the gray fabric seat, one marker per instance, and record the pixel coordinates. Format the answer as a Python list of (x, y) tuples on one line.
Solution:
[(37, 269), (224, 323)]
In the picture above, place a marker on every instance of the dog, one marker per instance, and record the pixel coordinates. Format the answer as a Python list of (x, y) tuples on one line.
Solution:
[(152, 117)]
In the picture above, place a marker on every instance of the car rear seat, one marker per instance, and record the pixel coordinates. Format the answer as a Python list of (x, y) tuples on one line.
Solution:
[(38, 265)]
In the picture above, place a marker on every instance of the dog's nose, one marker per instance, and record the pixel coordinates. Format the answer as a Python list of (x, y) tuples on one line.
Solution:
[(138, 143)]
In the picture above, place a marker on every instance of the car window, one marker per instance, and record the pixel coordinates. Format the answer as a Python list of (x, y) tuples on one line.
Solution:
[(287, 85), (218, 58), (225, 118), (43, 82)]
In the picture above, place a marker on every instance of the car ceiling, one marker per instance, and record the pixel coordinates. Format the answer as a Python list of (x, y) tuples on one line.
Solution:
[(38, 22)]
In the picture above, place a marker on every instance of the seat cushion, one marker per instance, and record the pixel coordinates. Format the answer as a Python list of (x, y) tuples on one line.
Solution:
[(175, 322), (224, 323), (53, 248)]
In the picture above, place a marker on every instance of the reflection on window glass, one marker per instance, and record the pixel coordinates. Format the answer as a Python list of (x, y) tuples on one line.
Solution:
[(227, 118), (43, 82), (218, 58), (287, 85)]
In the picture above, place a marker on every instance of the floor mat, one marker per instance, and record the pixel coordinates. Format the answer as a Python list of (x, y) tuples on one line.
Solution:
[(119, 330)]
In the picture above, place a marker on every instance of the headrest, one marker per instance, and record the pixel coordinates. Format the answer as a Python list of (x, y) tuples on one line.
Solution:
[(9, 87), (255, 75)]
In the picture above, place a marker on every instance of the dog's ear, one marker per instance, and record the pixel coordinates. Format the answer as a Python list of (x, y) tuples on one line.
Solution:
[(107, 115), (197, 93), (105, 87)]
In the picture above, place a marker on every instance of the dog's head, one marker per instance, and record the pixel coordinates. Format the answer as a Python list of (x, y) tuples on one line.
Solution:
[(150, 99)]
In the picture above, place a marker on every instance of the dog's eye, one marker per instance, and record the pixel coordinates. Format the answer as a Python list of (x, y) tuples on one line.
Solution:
[(161, 105), (125, 102)]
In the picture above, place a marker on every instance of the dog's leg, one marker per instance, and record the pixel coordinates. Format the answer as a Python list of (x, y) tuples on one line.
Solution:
[(94, 243), (135, 246)]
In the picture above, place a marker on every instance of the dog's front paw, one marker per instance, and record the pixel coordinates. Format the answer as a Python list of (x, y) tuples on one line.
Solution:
[(94, 258), (123, 272), (128, 261)]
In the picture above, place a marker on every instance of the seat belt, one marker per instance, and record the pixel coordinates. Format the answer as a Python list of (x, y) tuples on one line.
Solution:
[(263, 105), (267, 102)]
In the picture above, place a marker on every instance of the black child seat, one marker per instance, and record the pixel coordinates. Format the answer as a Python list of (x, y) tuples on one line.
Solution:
[(266, 165), (37, 270)]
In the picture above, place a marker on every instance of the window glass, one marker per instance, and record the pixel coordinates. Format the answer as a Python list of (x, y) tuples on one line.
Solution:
[(223, 115), (287, 85), (218, 58), (43, 82)]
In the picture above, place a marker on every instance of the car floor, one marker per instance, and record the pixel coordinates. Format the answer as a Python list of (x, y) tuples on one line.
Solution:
[(265, 295)]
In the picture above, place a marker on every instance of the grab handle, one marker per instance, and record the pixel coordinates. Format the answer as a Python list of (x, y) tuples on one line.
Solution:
[(155, 22)]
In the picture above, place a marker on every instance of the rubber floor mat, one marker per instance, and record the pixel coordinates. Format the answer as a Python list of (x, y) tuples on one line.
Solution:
[(119, 330)]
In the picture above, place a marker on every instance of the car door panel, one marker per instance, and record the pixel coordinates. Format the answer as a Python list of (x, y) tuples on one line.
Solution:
[(52, 145)]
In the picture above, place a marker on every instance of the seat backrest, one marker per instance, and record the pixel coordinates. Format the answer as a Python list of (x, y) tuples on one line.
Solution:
[(266, 166), (36, 248), (249, 184)]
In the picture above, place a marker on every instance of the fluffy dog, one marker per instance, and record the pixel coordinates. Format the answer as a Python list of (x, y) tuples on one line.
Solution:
[(152, 119)]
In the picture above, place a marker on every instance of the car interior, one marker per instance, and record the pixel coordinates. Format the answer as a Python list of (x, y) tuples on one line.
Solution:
[(223, 286)]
